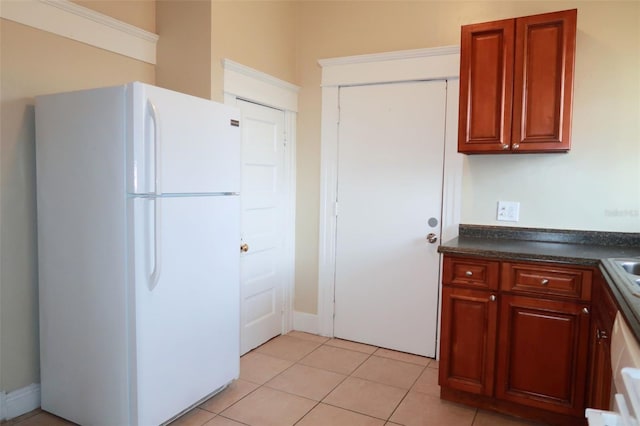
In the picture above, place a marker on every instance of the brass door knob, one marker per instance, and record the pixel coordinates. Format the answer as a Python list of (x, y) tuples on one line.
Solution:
[(244, 248)]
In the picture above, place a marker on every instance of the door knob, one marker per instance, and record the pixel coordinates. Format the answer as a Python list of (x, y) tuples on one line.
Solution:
[(244, 248), (432, 238)]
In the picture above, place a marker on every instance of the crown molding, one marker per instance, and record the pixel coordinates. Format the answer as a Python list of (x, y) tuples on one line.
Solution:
[(404, 65), (230, 65), (248, 83), (69, 20), (390, 56)]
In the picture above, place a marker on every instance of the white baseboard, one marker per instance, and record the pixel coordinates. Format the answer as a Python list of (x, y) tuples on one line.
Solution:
[(303, 321), (19, 402)]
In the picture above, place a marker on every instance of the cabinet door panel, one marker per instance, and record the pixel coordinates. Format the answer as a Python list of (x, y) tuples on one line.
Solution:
[(486, 86), (542, 353), (543, 80), (600, 373), (468, 340)]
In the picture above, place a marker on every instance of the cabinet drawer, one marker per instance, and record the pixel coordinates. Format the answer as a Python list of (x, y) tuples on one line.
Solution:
[(548, 279), (470, 272)]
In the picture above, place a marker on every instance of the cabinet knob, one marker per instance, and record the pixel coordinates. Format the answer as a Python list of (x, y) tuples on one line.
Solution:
[(244, 248), (544, 281), (505, 146), (492, 298), (585, 311), (468, 273), (515, 146)]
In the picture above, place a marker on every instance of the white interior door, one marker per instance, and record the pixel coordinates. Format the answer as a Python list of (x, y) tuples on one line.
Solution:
[(390, 165), (262, 196)]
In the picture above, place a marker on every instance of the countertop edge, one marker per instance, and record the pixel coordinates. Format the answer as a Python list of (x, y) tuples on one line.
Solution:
[(622, 296), (532, 257)]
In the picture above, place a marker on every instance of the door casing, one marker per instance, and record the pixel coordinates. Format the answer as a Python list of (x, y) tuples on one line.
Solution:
[(242, 82), (411, 65)]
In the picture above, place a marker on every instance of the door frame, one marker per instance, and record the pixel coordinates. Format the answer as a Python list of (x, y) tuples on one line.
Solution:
[(248, 84), (441, 63)]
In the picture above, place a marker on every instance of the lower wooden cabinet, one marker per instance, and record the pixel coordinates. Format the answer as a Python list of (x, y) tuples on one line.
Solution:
[(468, 345), (542, 353), (600, 371), (600, 374), (522, 343)]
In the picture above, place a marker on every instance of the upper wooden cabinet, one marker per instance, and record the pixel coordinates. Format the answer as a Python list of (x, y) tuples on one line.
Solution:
[(516, 84)]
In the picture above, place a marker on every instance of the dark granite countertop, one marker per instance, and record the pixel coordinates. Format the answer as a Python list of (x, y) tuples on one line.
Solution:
[(580, 248)]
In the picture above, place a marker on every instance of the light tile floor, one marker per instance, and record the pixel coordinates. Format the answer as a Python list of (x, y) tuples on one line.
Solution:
[(307, 380)]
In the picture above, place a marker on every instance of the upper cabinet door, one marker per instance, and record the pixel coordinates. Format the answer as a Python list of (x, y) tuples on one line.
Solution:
[(516, 84), (543, 81), (486, 86)]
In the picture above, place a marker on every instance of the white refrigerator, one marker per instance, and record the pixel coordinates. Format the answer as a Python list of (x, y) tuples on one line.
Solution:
[(138, 252)]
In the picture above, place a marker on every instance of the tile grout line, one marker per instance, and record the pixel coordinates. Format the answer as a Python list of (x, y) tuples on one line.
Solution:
[(332, 389), (295, 362), (351, 375), (407, 393)]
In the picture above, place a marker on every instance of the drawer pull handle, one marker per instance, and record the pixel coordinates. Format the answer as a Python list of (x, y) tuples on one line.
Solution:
[(492, 298), (468, 273), (601, 334), (585, 311), (544, 281)]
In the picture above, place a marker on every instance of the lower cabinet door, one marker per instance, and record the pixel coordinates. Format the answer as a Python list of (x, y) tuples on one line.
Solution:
[(468, 340), (600, 373), (542, 353)]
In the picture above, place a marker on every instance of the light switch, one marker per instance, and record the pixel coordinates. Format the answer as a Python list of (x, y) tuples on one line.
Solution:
[(508, 211)]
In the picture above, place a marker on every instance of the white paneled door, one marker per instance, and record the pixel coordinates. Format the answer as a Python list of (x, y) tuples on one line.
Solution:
[(390, 166), (261, 276)]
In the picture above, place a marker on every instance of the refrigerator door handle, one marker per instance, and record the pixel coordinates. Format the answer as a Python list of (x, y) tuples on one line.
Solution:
[(157, 262), (153, 113)]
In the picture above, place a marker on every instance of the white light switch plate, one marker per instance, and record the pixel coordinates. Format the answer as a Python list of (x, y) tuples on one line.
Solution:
[(508, 211)]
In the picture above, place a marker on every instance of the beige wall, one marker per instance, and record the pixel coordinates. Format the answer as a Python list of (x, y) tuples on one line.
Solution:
[(140, 13), (32, 63), (285, 39), (573, 190), (596, 186), (258, 34), (184, 47)]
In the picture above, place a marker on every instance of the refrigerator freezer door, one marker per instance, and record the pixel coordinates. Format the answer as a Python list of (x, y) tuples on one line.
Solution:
[(181, 143), (186, 323)]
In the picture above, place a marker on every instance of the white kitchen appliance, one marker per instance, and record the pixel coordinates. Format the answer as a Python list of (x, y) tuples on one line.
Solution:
[(625, 365), (138, 252)]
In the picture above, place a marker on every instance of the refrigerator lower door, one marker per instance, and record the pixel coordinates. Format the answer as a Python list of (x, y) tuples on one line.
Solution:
[(186, 309)]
